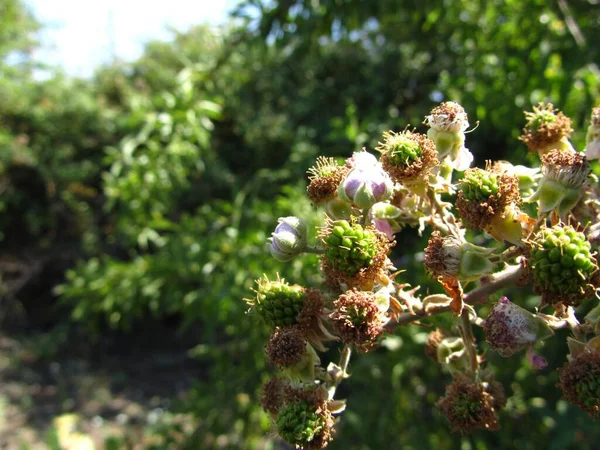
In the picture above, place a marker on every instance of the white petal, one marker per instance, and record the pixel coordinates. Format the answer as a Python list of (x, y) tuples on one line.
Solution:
[(593, 149), (463, 160)]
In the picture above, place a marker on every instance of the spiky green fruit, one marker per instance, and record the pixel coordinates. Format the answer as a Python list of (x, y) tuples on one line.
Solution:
[(278, 302), (350, 247), (546, 129), (478, 184), (562, 264), (402, 150), (298, 423)]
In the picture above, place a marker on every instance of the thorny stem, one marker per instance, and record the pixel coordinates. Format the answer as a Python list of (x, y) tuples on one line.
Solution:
[(406, 318), (447, 224), (509, 276), (488, 286)]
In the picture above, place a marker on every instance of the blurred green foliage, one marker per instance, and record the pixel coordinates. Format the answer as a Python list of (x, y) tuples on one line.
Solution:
[(166, 175)]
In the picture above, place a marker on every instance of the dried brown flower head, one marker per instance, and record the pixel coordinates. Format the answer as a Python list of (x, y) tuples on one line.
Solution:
[(325, 178), (545, 128), (448, 116), (566, 167), (358, 318), (286, 347), (272, 395), (468, 405), (408, 157), (484, 195), (580, 381), (433, 341), (442, 255)]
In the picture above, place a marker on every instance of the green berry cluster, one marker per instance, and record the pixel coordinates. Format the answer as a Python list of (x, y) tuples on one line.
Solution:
[(350, 248), (404, 151), (478, 184), (298, 423), (562, 261), (280, 303)]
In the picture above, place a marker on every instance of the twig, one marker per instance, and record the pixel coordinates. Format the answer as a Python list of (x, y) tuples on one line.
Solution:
[(571, 24), (495, 282), (509, 276)]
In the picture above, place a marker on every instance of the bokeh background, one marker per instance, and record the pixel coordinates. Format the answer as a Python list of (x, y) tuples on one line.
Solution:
[(137, 191)]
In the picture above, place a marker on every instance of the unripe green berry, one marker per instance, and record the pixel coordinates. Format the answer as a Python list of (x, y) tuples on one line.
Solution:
[(562, 264), (542, 117), (403, 151), (298, 423), (279, 303), (478, 184), (350, 247)]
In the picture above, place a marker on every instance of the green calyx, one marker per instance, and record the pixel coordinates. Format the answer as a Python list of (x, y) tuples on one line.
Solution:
[(279, 303), (562, 262), (350, 248), (478, 184), (298, 423), (552, 195), (452, 355), (404, 151), (446, 142), (474, 262)]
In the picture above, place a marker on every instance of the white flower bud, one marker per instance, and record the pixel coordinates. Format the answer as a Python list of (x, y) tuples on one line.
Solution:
[(289, 238)]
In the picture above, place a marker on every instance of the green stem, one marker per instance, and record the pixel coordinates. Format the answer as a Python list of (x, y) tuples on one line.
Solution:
[(345, 358), (447, 225), (366, 220), (342, 369), (314, 249), (469, 339)]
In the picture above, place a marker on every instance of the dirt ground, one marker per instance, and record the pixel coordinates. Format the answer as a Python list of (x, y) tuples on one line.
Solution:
[(112, 393)]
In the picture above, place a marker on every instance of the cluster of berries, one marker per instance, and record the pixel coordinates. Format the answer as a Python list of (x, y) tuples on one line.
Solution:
[(538, 226)]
